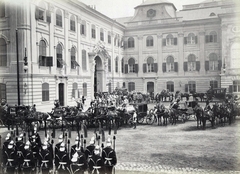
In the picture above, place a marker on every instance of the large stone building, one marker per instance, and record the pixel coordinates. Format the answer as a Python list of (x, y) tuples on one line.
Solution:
[(73, 50)]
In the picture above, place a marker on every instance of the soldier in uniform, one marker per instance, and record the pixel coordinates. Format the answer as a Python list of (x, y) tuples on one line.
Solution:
[(57, 146), (7, 141), (19, 149), (10, 158), (79, 162), (34, 146), (45, 159), (96, 163), (75, 146), (62, 160), (27, 164), (109, 157), (90, 149)]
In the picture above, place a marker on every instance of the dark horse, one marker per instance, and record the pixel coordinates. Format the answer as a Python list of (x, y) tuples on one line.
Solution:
[(199, 114)]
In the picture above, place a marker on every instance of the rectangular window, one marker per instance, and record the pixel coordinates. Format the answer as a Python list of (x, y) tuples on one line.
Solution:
[(213, 65), (85, 89), (109, 39), (131, 68), (3, 92), (101, 36), (2, 9), (72, 25), (82, 30), (58, 20), (214, 84), (191, 66), (93, 33)]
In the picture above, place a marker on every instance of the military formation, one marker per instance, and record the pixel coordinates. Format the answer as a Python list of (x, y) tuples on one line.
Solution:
[(31, 155)]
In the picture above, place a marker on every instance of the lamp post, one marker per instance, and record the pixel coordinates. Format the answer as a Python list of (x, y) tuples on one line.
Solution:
[(18, 84)]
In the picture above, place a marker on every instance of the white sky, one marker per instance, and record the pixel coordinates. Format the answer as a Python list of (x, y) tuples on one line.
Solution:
[(125, 8)]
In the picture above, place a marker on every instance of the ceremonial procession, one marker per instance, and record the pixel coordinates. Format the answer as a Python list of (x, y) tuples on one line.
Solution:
[(119, 87)]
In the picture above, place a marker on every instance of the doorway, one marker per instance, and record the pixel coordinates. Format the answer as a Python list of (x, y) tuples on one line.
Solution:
[(150, 88), (61, 93), (98, 75)]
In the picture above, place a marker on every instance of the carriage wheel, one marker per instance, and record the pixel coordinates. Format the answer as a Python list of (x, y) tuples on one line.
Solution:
[(150, 119), (140, 120)]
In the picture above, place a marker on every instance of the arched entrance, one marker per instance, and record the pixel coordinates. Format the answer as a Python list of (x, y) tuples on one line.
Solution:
[(150, 88), (98, 75)]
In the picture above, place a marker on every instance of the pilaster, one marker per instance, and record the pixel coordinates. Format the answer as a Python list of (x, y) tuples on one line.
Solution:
[(159, 54), (140, 57)]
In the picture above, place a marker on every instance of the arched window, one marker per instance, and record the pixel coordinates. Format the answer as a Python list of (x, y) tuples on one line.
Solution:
[(109, 37), (45, 92), (74, 63), (40, 11), (93, 31), (214, 84), (3, 52), (115, 40), (84, 60), (131, 65), (116, 64), (60, 61), (170, 64), (75, 90), (191, 38), (42, 53), (213, 62), (149, 41), (131, 42), (212, 37), (122, 63), (72, 23), (83, 28), (212, 14), (170, 86), (3, 92), (109, 65), (84, 89), (169, 40), (101, 34), (59, 18), (2, 9), (131, 86), (150, 64), (191, 62)]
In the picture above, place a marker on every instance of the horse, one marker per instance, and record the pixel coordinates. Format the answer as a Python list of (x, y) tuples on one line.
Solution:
[(166, 94), (199, 114)]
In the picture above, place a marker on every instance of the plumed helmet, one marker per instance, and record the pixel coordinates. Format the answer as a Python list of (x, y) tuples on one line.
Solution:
[(44, 145), (92, 141), (109, 142), (75, 157), (10, 145), (97, 150), (62, 147), (27, 145)]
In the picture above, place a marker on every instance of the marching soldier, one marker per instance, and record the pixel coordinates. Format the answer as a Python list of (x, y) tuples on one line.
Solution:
[(90, 149), (10, 158), (109, 157), (79, 162), (45, 159), (75, 146), (19, 149), (34, 146), (7, 141), (134, 120), (49, 145), (62, 160), (57, 146), (27, 164), (96, 163)]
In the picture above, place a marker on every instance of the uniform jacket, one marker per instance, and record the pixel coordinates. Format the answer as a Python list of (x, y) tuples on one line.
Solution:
[(109, 156)]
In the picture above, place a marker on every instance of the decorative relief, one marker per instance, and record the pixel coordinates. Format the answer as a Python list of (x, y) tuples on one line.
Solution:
[(236, 29)]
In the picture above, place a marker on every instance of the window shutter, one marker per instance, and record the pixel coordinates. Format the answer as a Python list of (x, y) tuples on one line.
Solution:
[(185, 66), (207, 65), (196, 39), (164, 67), (185, 40), (73, 93), (144, 68), (48, 14), (219, 65), (136, 68), (155, 67), (230, 90), (50, 61), (40, 60), (197, 65), (176, 66), (186, 87), (206, 38), (37, 13), (126, 68), (164, 42), (175, 41)]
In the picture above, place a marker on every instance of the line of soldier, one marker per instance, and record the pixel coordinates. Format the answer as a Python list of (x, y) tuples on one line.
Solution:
[(31, 156)]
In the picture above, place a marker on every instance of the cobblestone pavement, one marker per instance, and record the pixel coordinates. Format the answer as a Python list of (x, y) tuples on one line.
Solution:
[(161, 169)]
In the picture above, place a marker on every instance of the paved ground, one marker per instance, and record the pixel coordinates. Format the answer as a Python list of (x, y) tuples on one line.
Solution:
[(174, 149)]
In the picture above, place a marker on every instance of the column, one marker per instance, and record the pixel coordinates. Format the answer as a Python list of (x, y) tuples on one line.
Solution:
[(159, 54), (51, 41), (67, 57), (202, 52), (79, 50), (92, 62), (140, 57), (180, 54)]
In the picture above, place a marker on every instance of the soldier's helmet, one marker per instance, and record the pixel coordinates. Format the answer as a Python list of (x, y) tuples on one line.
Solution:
[(8, 136), (97, 150), (11, 144), (45, 145), (27, 145), (3, 102), (77, 140), (75, 157), (62, 147), (109, 142), (60, 138)]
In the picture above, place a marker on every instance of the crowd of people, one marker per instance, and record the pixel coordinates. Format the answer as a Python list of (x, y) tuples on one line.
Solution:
[(31, 155)]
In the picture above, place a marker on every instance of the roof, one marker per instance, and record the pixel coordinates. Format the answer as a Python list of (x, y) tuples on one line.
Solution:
[(154, 2)]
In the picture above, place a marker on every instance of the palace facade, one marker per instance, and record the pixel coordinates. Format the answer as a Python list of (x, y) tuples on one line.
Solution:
[(65, 49)]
